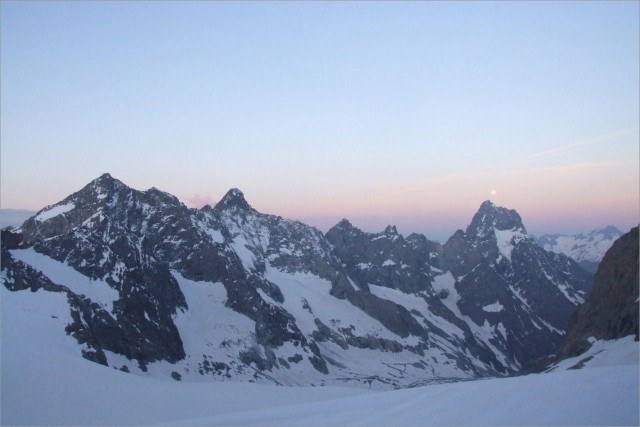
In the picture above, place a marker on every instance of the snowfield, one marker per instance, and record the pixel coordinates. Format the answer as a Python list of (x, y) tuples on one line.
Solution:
[(582, 247), (45, 382), (97, 290), (54, 212)]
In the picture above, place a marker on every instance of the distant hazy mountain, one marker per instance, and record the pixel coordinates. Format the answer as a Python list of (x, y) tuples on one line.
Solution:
[(14, 217), (144, 284), (585, 248)]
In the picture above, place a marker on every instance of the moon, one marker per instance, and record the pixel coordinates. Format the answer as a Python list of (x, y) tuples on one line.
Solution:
[(493, 192)]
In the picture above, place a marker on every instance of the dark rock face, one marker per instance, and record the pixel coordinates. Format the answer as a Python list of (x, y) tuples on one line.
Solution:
[(294, 305), (503, 281), (384, 259), (92, 326), (233, 199), (394, 316), (503, 277), (611, 311), (102, 237)]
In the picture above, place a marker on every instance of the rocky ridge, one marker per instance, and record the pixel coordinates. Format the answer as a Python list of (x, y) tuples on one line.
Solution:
[(611, 310)]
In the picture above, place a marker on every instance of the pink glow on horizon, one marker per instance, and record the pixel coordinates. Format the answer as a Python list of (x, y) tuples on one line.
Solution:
[(448, 203)]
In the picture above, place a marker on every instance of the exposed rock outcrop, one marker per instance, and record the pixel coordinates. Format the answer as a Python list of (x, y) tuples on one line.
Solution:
[(611, 311)]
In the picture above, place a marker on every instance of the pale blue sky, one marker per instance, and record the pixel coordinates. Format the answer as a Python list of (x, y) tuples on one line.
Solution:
[(383, 112)]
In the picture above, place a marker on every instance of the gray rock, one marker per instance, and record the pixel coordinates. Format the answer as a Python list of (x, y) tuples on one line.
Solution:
[(611, 311)]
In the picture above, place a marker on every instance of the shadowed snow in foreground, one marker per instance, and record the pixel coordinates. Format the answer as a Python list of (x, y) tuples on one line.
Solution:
[(44, 382)]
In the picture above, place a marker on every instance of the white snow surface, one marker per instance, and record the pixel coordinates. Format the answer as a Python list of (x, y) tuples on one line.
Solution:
[(506, 240), (212, 331), (416, 303), (493, 308), (208, 323), (241, 247), (216, 236), (44, 382), (54, 212), (581, 247), (97, 291), (302, 290), (485, 332)]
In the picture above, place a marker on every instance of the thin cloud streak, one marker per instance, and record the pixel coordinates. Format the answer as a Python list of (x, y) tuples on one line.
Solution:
[(542, 155), (568, 148)]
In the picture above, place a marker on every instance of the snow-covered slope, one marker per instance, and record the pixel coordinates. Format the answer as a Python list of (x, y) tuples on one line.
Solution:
[(43, 383), (600, 394), (587, 249)]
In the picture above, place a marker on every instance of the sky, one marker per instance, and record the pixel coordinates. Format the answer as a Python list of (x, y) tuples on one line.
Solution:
[(404, 113)]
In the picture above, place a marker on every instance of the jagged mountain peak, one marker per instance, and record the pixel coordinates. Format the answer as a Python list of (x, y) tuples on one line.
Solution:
[(344, 226), (100, 188), (94, 193), (233, 198), (107, 189), (490, 216), (391, 230), (488, 204), (344, 223), (106, 181), (105, 177), (417, 237), (162, 196)]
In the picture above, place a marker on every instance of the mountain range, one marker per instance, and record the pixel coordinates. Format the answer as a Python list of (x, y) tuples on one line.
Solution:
[(229, 293), (587, 249)]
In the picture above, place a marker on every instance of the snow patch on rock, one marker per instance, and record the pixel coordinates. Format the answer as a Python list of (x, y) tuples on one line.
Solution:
[(54, 212), (506, 240), (493, 308), (97, 291)]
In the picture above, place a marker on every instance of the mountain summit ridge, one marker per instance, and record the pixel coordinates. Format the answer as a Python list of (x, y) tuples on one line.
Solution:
[(233, 198), (489, 215)]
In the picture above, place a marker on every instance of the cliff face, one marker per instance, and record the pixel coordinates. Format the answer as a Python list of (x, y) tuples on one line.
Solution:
[(611, 310)]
